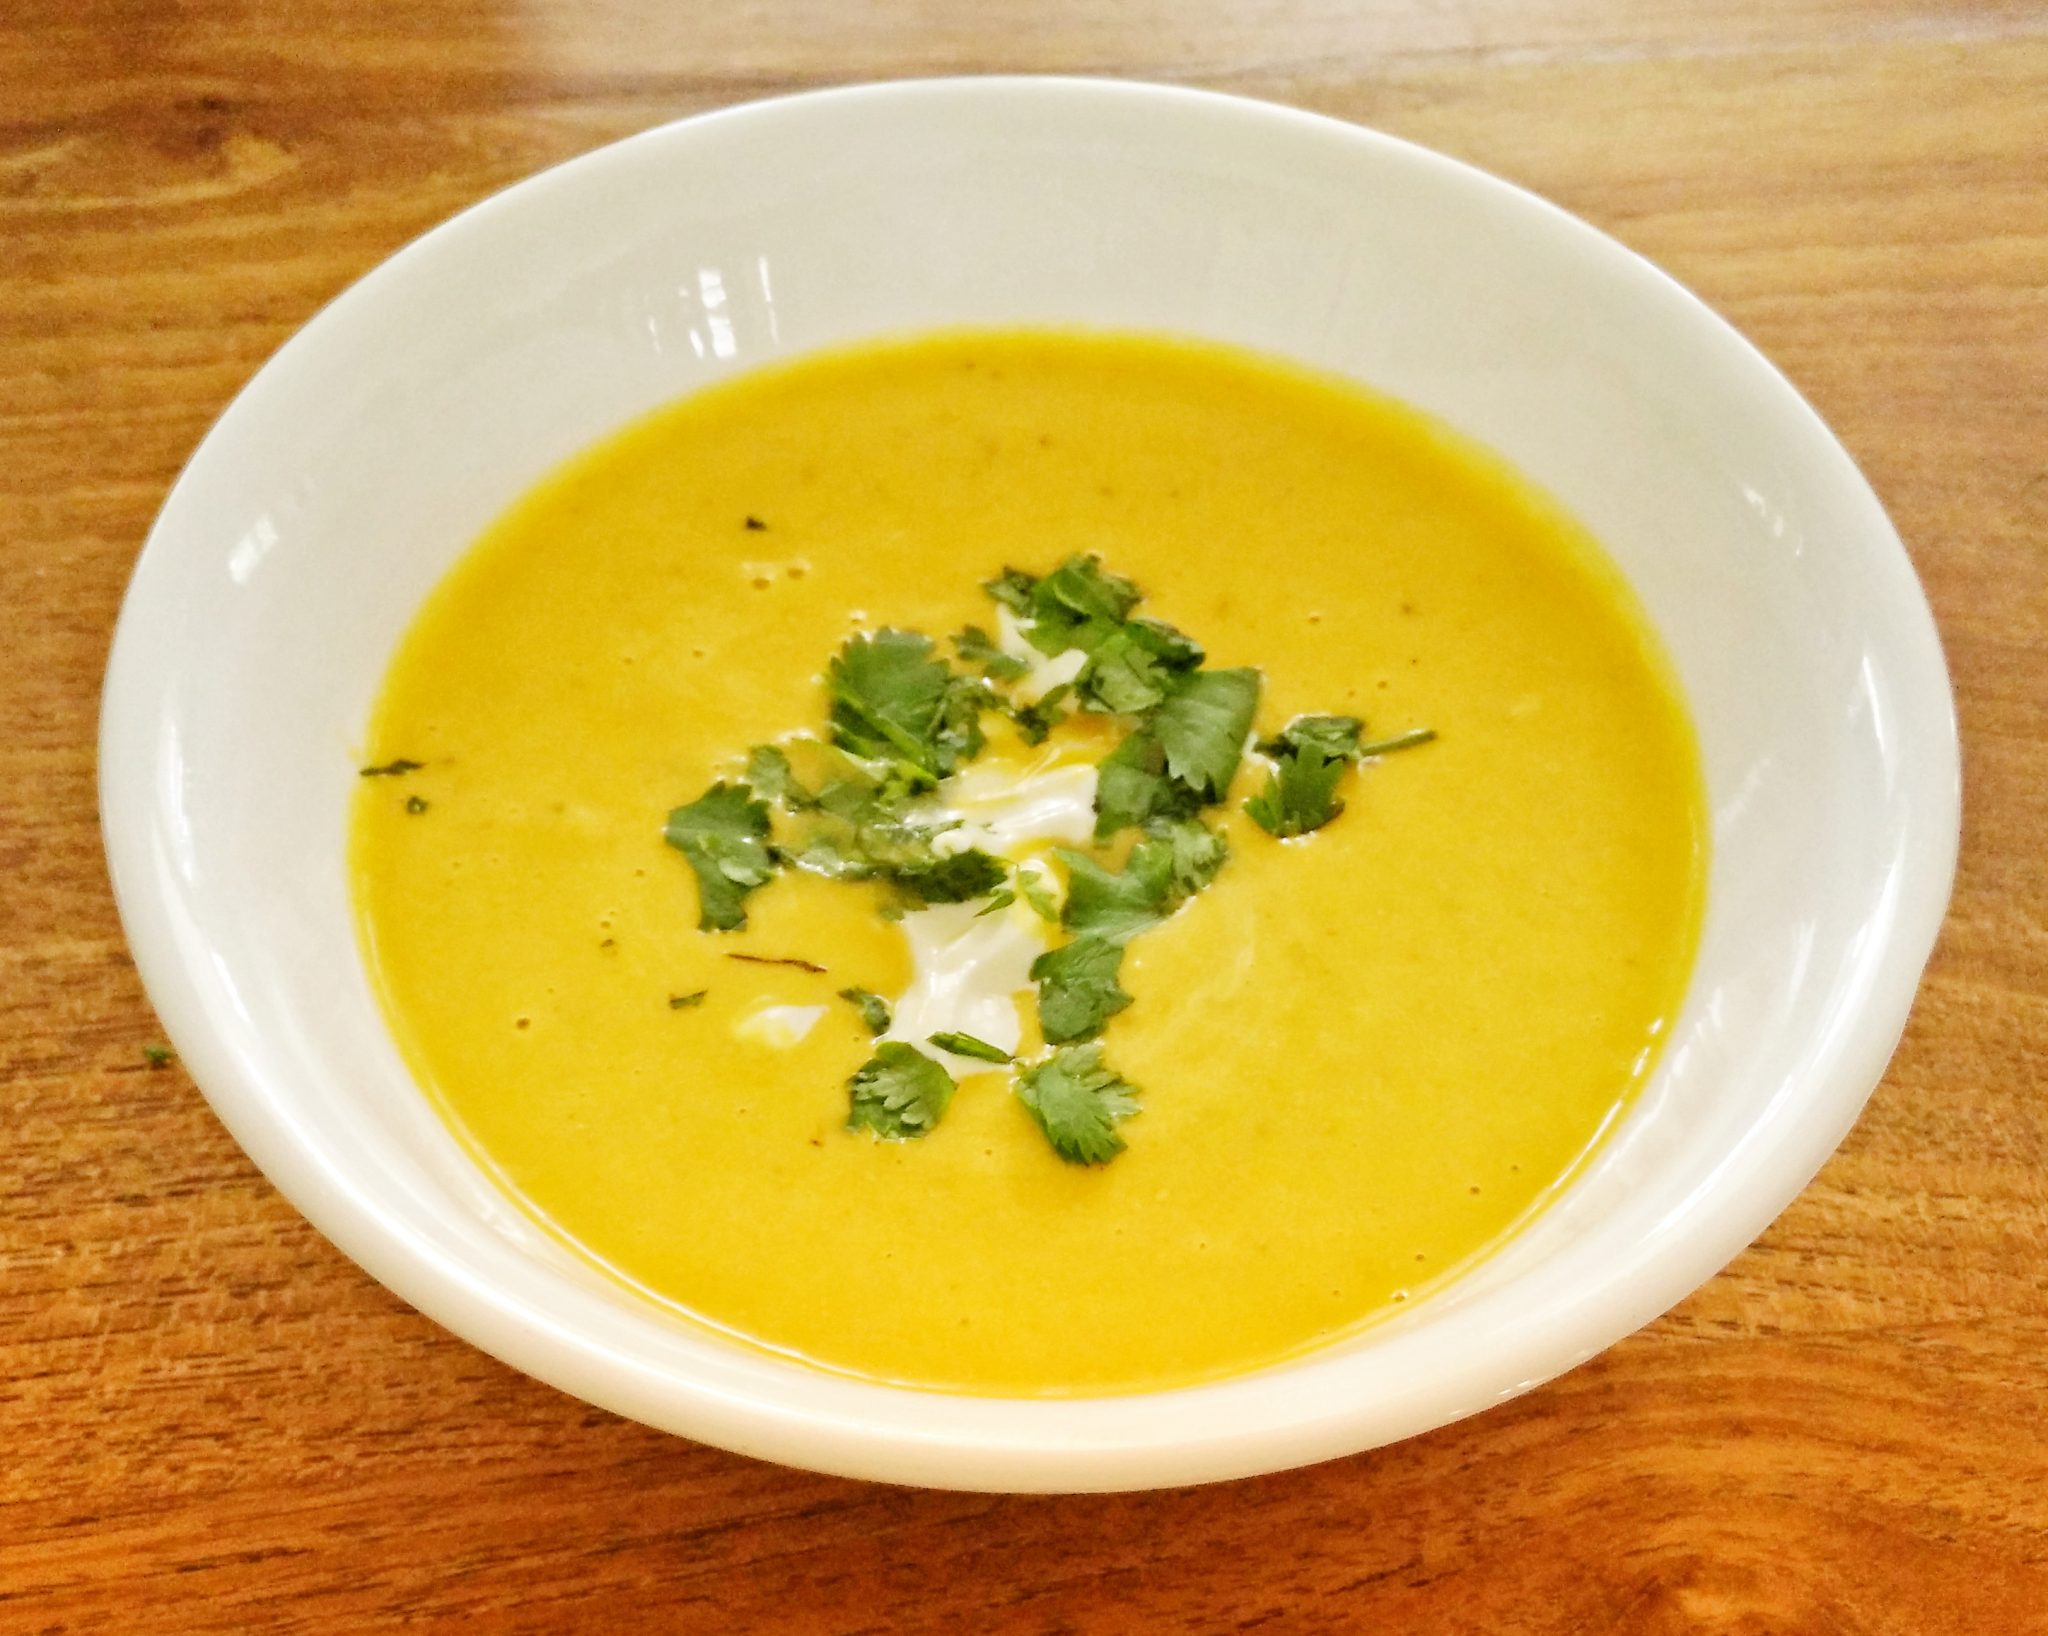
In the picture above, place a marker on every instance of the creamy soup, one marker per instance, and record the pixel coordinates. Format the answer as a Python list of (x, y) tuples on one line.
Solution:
[(1350, 1062)]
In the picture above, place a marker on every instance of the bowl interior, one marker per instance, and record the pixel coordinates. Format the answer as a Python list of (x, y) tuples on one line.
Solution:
[(367, 455)]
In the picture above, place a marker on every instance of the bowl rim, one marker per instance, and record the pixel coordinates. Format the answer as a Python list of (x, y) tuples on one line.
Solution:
[(1024, 1444)]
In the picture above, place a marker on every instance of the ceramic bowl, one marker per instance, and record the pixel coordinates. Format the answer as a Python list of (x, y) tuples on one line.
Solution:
[(367, 454)]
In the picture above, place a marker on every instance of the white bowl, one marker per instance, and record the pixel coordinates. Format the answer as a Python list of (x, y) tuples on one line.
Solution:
[(369, 452)]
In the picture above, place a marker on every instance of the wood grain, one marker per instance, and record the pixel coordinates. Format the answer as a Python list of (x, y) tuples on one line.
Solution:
[(215, 1423)]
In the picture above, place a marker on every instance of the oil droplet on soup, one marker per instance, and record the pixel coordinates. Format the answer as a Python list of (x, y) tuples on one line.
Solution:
[(1366, 1055)]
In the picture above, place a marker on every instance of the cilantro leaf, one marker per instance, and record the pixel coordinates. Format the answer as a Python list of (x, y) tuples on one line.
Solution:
[(970, 874), (683, 1002), (1013, 588), (892, 699), (1082, 588), (1334, 737), (1078, 1103), (966, 1045), (873, 1009), (1077, 988), (1309, 760), (724, 834), (1196, 852), (1175, 860), (770, 776), (899, 1092), (1001, 899), (976, 647), (1131, 787), (1123, 677), (1116, 907), (1032, 888), (1202, 727), (1078, 605), (1035, 721)]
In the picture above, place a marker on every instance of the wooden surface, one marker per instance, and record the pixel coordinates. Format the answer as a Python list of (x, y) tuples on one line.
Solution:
[(214, 1422)]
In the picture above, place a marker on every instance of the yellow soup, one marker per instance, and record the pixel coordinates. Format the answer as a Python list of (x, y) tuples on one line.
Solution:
[(1363, 1055)]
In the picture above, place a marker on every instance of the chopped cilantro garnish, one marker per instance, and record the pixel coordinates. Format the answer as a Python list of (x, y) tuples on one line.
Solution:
[(1175, 860), (1078, 1103), (1400, 741), (1196, 850), (976, 647), (1202, 727), (1013, 588), (158, 1056), (1077, 988), (1131, 670), (1032, 888), (771, 777), (1035, 721), (1082, 589), (724, 834), (1309, 758), (873, 1009), (683, 1002), (966, 1045), (970, 874), (415, 804), (904, 719), (1333, 737), (1131, 786), (391, 769), (1117, 906), (892, 699), (898, 1092)]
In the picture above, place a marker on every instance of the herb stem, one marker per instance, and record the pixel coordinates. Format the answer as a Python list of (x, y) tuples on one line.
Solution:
[(1400, 741)]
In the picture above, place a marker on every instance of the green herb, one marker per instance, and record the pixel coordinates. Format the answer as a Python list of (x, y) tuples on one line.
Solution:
[(1078, 1103), (1197, 852), (1013, 588), (1309, 758), (1117, 906), (1035, 721), (754, 525), (790, 960), (999, 900), (1131, 786), (724, 834), (770, 776), (415, 805), (965, 875), (1132, 669), (899, 1092), (1400, 741), (873, 1009), (683, 1002), (158, 1056), (391, 769), (976, 647), (1032, 888), (966, 1045), (1202, 728), (1080, 592), (1077, 988), (892, 699), (1175, 860)]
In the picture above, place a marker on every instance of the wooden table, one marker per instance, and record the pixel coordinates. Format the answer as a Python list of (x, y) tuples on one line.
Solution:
[(215, 1422)]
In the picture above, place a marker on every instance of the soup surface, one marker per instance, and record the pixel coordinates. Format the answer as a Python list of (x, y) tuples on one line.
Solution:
[(1364, 1054)]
